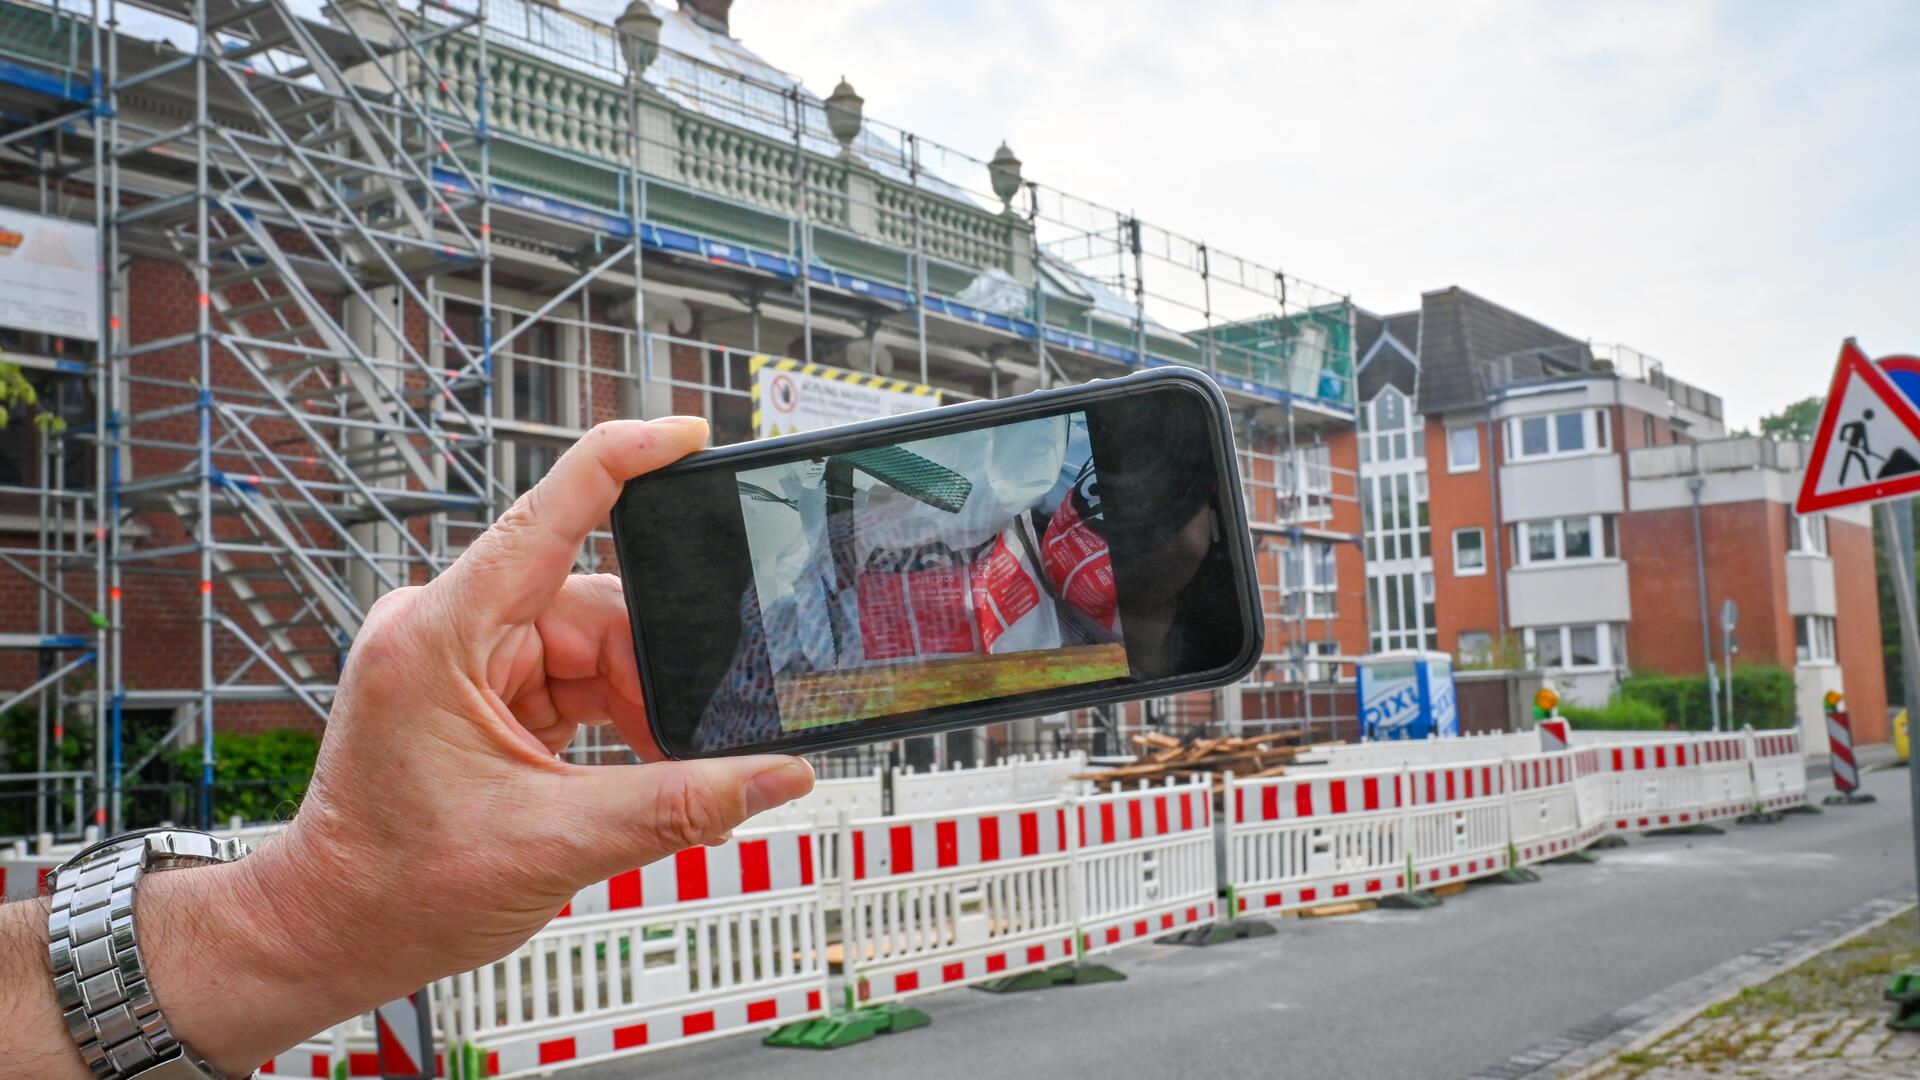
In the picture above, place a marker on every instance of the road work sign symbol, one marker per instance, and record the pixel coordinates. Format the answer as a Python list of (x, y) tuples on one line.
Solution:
[(1868, 445)]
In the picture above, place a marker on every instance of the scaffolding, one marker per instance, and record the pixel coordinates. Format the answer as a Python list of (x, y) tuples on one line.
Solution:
[(424, 244)]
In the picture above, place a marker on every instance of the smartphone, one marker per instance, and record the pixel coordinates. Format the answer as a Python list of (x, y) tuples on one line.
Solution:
[(962, 565)]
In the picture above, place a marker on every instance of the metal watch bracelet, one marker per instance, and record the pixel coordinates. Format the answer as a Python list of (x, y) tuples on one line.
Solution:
[(98, 973)]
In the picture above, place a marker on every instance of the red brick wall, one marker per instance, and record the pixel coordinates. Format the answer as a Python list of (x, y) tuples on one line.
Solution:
[(1454, 501), (1350, 622), (1857, 629), (1746, 547)]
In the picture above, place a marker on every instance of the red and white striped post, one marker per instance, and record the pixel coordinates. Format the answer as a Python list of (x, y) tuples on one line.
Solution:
[(403, 1038), (1846, 769)]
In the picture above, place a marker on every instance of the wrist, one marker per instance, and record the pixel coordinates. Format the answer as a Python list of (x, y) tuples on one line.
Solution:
[(243, 959)]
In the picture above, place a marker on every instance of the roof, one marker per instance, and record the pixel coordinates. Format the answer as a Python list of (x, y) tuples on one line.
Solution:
[(1459, 334), (1387, 358)]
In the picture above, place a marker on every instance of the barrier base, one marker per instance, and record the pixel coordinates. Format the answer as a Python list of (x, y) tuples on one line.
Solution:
[(846, 1029), (1586, 857), (1514, 875), (1904, 992), (1218, 934), (1761, 817), (1803, 808), (1851, 798), (1606, 842), (1061, 975), (1415, 900), (1701, 829)]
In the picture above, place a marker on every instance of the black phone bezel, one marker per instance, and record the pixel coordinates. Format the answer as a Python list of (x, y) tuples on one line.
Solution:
[(945, 420)]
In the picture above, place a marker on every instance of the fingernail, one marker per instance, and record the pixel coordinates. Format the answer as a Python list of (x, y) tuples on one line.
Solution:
[(778, 785), (683, 421)]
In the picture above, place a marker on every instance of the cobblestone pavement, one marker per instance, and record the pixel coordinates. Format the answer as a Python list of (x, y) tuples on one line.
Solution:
[(1823, 1020)]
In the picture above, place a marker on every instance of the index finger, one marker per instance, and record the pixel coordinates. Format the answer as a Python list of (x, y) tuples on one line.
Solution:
[(510, 573)]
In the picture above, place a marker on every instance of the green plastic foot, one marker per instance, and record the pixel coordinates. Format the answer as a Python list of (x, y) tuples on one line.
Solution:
[(1904, 992), (1760, 817), (1061, 975), (1803, 808), (1571, 857), (1515, 875), (1218, 934), (1607, 842), (1851, 798), (848, 1028), (1416, 900)]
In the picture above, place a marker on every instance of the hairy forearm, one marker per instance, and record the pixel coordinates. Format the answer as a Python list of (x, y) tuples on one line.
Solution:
[(33, 1038), (241, 962)]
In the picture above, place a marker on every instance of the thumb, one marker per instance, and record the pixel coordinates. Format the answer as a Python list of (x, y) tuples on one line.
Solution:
[(637, 814)]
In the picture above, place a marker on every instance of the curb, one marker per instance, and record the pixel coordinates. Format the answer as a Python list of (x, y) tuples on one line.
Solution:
[(1584, 1050)]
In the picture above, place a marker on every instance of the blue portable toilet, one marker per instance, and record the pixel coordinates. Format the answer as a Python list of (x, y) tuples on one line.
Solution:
[(1407, 695)]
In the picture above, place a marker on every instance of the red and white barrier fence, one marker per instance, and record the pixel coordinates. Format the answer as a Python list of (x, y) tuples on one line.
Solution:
[(1545, 807), (1779, 769), (929, 901), (1457, 822), (714, 941), (1143, 864), (1302, 840)]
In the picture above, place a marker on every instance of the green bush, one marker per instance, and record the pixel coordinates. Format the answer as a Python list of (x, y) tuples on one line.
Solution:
[(1762, 697), (1619, 714), (259, 776)]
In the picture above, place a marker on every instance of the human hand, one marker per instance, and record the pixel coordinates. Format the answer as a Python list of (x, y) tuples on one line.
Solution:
[(440, 831)]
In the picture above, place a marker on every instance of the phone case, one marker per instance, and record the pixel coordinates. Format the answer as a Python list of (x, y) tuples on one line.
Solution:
[(963, 416)]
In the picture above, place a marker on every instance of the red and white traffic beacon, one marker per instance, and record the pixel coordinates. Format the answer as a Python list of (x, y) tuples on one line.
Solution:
[(1846, 770)]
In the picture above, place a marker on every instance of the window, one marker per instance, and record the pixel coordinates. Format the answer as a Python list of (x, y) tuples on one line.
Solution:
[(1557, 434), (1475, 647), (1807, 535), (1569, 432), (1308, 579), (1463, 449), (535, 397), (1573, 648), (1400, 610), (1589, 536), (1813, 639), (1469, 551)]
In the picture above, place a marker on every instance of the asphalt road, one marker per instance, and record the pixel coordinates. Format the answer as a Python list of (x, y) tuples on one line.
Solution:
[(1423, 995)]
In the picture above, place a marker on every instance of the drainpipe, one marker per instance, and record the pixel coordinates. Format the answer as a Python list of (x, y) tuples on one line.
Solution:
[(1695, 484)]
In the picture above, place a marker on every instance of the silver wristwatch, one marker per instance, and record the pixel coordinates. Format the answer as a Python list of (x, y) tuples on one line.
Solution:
[(98, 974)]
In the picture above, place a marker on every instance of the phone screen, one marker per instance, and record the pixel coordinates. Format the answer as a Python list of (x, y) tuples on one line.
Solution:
[(872, 585)]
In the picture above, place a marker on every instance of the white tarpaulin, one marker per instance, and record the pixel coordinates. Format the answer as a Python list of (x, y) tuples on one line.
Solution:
[(46, 276), (789, 396)]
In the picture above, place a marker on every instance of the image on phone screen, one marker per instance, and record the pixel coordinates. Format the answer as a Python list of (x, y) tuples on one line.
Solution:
[(932, 572)]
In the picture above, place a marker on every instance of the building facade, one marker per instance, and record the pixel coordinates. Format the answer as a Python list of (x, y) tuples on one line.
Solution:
[(1533, 503), (372, 265)]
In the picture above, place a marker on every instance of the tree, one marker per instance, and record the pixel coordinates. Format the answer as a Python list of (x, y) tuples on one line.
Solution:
[(1797, 421), (18, 393)]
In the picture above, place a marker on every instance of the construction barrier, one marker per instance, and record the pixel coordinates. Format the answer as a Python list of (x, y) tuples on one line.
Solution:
[(930, 901), (1725, 765), (1779, 770), (1544, 803), (1143, 863), (1302, 840), (711, 942), (1393, 753), (1457, 822), (856, 796)]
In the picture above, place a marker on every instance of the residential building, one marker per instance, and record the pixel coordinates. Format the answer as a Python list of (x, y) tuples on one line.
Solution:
[(1530, 503)]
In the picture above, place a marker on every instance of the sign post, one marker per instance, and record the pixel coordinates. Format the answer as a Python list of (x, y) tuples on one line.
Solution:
[(1867, 450), (1729, 621)]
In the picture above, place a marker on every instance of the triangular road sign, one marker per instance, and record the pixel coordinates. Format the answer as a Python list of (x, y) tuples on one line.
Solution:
[(1868, 446)]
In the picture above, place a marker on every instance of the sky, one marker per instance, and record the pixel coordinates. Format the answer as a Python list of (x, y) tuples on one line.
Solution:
[(1731, 188)]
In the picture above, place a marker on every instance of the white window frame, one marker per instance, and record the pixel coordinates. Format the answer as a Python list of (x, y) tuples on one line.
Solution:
[(1594, 433), (1311, 589), (1807, 535), (1603, 645), (1454, 463), (1597, 532), (1482, 655), (1813, 640), (1474, 571)]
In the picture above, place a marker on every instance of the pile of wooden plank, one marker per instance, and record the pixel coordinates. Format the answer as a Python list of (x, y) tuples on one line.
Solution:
[(1161, 756)]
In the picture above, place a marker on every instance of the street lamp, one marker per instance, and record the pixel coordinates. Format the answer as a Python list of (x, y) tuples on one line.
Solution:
[(1004, 170), (639, 30)]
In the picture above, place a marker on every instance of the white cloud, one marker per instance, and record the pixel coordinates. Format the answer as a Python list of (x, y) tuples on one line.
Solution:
[(1731, 189)]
